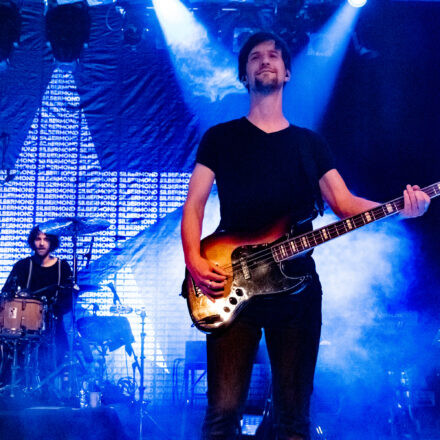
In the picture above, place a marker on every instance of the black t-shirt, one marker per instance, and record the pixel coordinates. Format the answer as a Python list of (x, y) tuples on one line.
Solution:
[(42, 277), (261, 176)]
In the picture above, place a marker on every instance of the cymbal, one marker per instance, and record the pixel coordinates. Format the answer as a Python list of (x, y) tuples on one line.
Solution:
[(70, 226), (121, 310), (89, 288)]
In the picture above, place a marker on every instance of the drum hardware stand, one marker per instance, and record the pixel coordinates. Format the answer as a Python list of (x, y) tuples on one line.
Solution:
[(142, 403), (54, 374), (71, 364), (37, 363), (73, 380), (31, 359), (68, 365), (27, 366), (14, 369), (143, 315), (52, 358), (51, 333), (135, 364), (102, 350)]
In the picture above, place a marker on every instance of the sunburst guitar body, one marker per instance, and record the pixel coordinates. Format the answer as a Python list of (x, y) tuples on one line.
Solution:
[(252, 271), (254, 263)]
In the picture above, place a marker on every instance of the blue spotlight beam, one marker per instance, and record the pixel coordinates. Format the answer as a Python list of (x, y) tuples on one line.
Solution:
[(206, 71), (203, 67), (315, 70)]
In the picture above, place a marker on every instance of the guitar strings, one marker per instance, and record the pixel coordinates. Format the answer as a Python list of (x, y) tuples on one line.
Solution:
[(266, 255)]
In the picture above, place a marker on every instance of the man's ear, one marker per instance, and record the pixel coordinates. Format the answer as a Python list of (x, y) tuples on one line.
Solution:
[(287, 78)]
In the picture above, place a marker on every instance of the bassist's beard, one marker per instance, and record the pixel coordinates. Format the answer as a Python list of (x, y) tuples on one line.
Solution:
[(267, 88)]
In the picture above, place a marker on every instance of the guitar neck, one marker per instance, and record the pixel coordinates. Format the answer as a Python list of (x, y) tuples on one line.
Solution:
[(302, 243)]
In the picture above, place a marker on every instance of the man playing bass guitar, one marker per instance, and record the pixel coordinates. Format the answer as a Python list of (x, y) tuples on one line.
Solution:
[(270, 174)]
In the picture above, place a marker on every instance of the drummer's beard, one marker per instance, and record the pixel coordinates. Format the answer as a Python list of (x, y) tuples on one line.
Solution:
[(42, 252)]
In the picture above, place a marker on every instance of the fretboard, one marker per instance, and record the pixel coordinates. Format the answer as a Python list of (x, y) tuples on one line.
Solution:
[(302, 243)]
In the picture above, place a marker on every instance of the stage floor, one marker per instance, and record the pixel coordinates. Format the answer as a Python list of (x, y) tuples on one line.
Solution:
[(165, 422)]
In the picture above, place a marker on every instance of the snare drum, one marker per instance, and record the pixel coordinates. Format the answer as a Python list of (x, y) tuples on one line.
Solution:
[(21, 317)]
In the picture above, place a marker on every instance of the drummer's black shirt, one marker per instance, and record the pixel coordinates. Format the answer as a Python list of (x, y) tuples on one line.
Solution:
[(41, 277)]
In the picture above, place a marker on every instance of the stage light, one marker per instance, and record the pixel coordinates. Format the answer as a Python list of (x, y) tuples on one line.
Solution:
[(357, 3), (362, 51), (316, 68), (136, 19), (10, 28), (68, 30), (204, 67), (133, 24), (241, 34)]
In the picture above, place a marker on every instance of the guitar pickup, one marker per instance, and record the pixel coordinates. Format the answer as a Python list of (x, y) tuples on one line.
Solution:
[(245, 269)]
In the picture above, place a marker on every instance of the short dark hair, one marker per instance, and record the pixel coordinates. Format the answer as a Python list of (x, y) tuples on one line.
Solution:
[(53, 239), (255, 40)]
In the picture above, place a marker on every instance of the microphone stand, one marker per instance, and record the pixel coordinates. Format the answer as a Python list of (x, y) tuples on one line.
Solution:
[(143, 315), (73, 388), (142, 404)]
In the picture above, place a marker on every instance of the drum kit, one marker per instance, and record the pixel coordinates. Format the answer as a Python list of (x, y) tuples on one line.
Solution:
[(29, 362)]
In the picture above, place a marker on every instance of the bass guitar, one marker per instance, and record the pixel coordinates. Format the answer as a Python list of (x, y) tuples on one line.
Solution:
[(254, 263)]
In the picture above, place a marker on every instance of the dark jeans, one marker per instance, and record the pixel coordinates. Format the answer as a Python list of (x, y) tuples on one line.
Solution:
[(292, 327)]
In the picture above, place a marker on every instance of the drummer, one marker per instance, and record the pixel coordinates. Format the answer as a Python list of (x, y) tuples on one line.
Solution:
[(44, 277)]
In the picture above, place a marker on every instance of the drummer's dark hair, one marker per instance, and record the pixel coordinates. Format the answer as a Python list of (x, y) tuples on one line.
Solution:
[(53, 239)]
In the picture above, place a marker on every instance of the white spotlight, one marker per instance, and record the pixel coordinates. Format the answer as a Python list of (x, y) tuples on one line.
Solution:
[(357, 3)]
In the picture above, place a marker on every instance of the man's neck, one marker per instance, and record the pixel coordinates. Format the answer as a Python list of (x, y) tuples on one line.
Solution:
[(46, 261), (266, 111)]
